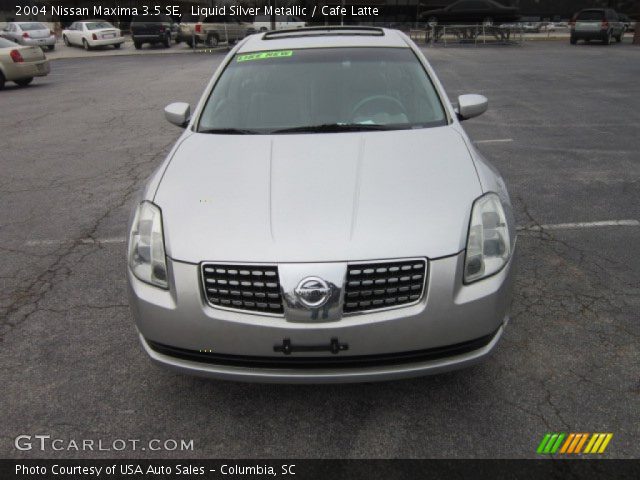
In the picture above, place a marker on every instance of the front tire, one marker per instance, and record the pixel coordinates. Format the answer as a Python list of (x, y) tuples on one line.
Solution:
[(51, 48), (137, 45), (23, 82), (117, 46), (66, 41)]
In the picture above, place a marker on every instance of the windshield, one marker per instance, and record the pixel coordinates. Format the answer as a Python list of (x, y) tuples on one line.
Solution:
[(98, 25), (33, 26), (316, 89)]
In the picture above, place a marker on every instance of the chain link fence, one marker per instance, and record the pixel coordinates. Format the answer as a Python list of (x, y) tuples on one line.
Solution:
[(469, 34)]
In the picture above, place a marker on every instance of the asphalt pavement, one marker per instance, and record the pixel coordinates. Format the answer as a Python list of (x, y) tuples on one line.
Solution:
[(563, 130)]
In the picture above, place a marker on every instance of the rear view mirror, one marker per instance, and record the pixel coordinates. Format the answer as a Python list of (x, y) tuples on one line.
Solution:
[(178, 113), (471, 105)]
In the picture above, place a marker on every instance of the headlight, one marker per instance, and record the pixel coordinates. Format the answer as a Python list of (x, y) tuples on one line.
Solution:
[(146, 246), (488, 243)]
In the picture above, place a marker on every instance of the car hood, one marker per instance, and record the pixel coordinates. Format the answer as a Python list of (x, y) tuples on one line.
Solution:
[(318, 197)]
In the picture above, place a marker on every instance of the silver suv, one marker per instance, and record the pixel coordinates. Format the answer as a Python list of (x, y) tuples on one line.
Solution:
[(596, 24), (323, 218)]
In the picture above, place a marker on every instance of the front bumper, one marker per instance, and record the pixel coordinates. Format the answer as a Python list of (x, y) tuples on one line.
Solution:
[(454, 325), (394, 369)]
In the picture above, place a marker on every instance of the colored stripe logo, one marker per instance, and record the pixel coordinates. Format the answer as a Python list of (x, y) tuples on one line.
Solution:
[(574, 443)]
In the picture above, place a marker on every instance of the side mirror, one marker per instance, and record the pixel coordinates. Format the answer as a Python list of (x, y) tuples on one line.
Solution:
[(471, 105), (178, 113)]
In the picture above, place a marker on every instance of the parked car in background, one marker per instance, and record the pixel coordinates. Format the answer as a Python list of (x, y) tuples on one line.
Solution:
[(488, 12), (262, 23), (90, 34), (548, 27), (30, 33), (531, 27), (186, 28), (214, 29), (596, 24), (154, 29), (20, 63), (629, 24)]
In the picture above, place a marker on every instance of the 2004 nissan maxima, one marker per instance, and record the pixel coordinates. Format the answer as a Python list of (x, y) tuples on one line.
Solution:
[(323, 218)]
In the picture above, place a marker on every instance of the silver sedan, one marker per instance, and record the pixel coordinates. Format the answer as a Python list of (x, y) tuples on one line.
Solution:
[(323, 218), (30, 33), (20, 64)]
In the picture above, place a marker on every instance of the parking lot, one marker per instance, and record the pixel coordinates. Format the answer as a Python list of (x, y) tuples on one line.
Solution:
[(562, 128)]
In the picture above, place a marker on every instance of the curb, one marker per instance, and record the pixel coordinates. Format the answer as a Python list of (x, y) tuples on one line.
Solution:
[(119, 53)]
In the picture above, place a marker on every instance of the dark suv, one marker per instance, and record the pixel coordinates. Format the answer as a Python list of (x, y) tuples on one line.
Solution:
[(596, 24), (153, 29)]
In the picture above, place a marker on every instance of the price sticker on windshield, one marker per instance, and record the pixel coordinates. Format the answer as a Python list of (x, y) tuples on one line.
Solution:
[(264, 55)]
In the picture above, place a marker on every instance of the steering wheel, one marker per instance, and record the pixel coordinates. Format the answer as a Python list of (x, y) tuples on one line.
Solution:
[(389, 100)]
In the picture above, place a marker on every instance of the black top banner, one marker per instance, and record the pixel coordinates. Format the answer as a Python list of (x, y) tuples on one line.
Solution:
[(388, 12)]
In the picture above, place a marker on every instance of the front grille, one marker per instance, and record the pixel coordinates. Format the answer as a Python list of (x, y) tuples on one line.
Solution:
[(372, 286), (255, 288)]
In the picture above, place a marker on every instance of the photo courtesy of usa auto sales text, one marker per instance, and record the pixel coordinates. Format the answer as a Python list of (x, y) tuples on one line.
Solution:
[(120, 469), (137, 469)]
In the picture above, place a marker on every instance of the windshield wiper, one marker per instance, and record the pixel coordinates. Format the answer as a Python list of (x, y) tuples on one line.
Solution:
[(339, 127), (230, 131), (323, 128)]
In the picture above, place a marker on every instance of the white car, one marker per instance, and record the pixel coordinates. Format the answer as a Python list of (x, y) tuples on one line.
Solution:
[(262, 23), (547, 27), (92, 33), (30, 33), (20, 63)]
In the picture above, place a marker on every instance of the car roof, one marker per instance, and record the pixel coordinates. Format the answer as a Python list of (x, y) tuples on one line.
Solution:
[(324, 37)]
